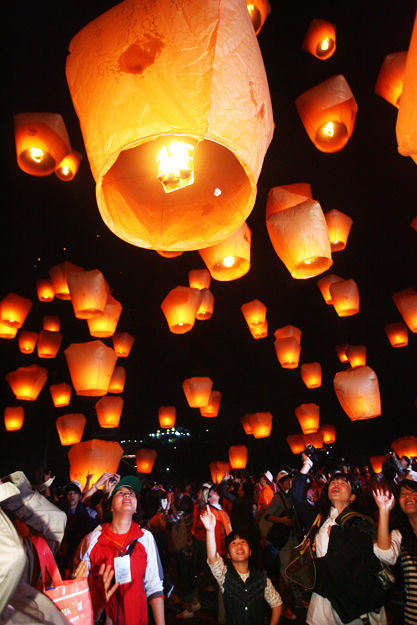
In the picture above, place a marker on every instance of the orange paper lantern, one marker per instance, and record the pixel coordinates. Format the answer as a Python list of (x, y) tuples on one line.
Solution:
[(59, 277), (122, 344), (199, 279), (287, 332), (89, 292), (51, 323), (288, 352), (69, 165), (338, 225), (405, 446), (70, 428), (238, 456), (218, 470), (197, 391), (406, 128), (356, 355), (7, 332), (246, 425), (13, 418), (345, 297), (61, 394), (258, 11), (117, 380), (259, 331), (320, 39), (286, 196), (27, 382), (397, 334), (229, 259), (91, 367), (329, 434), (45, 290), (324, 286), (205, 310), (180, 308), (260, 424), (406, 302), (14, 309), (93, 457), (308, 416), (213, 406), (27, 341), (376, 463), (109, 410), (48, 344), (167, 416), (145, 459), (358, 393), (169, 254), (389, 84), (311, 374), (296, 443), (105, 324), (341, 352), (254, 313), (315, 439), (414, 224)]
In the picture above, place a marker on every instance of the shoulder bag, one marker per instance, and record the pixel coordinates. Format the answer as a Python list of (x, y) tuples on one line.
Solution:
[(301, 569)]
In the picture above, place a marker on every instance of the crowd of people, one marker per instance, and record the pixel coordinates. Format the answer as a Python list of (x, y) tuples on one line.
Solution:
[(150, 550)]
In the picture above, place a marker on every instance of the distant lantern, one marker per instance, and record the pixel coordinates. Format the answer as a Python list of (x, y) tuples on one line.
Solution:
[(356, 355), (169, 254), (61, 394), (7, 332), (254, 313), (51, 323), (345, 297), (341, 352), (397, 334), (199, 279), (27, 382), (117, 380), (338, 225), (105, 324), (414, 224), (238, 456), (315, 439), (13, 418), (68, 167), (93, 457), (258, 11), (27, 341), (167, 416), (48, 344), (145, 459), (229, 259), (328, 113), (320, 39), (376, 463), (260, 424), (185, 176), (197, 391), (308, 416), (91, 367), (218, 470), (287, 332), (213, 406), (122, 344), (288, 352), (259, 331), (358, 393), (205, 310), (324, 286), (405, 446), (70, 428), (180, 308), (406, 128), (389, 84), (45, 290), (41, 142), (89, 292), (406, 302), (14, 309), (311, 374), (109, 410), (246, 425), (329, 434), (59, 275), (296, 443)]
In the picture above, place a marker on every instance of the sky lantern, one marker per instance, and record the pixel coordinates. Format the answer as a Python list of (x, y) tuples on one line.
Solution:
[(27, 382), (311, 374), (27, 341), (308, 416), (14, 309), (184, 177), (145, 459), (68, 167), (117, 380), (376, 463), (122, 344), (406, 128), (7, 332), (254, 313), (389, 84), (287, 332), (315, 439), (61, 394), (246, 425), (105, 324), (41, 142), (341, 352), (345, 297), (89, 292), (169, 254), (405, 446), (414, 224), (70, 428), (288, 352), (109, 410), (93, 457), (218, 469), (258, 11), (238, 456), (259, 331), (213, 406), (13, 418), (406, 302), (59, 275), (324, 285), (48, 344), (328, 113), (199, 279), (397, 334), (296, 443), (51, 323), (356, 355), (91, 367), (320, 39), (180, 308), (286, 196), (338, 225), (45, 290), (260, 424), (328, 432), (358, 393), (229, 259), (197, 391), (205, 310), (167, 416)]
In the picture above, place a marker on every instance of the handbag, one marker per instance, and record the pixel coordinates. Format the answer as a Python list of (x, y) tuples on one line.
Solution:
[(71, 597), (301, 569)]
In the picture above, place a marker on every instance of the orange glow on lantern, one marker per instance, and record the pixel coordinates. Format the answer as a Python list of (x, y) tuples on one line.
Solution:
[(180, 308), (109, 410), (51, 323), (205, 310), (27, 382), (259, 331), (287, 332), (117, 380), (358, 393), (315, 439), (246, 425), (70, 428), (122, 344), (406, 302), (288, 352), (320, 39), (45, 290), (197, 391), (91, 366), (218, 470), (199, 279), (169, 254), (258, 11), (61, 394), (48, 344), (167, 416), (286, 196), (406, 127), (345, 297), (338, 225), (389, 84), (311, 374), (93, 457), (145, 459), (341, 352), (405, 446), (397, 334), (59, 277), (105, 324), (27, 341), (260, 424), (229, 259), (213, 406), (238, 456), (89, 292), (295, 443), (13, 418), (7, 332), (376, 463), (14, 309), (308, 416), (356, 355), (69, 166), (329, 434), (414, 224), (254, 313), (324, 286)]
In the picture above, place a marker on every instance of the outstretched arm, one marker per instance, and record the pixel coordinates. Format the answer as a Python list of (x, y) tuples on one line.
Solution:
[(209, 521), (385, 502)]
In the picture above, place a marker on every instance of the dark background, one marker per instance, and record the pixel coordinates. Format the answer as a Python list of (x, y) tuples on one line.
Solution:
[(46, 221)]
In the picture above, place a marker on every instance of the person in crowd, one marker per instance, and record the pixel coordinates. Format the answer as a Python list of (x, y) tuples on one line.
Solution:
[(198, 531), (266, 492), (241, 511)]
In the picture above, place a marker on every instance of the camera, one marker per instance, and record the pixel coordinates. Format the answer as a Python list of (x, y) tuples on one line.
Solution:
[(320, 457)]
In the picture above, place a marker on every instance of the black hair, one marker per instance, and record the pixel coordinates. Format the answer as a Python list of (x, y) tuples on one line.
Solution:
[(186, 504), (237, 534), (324, 501)]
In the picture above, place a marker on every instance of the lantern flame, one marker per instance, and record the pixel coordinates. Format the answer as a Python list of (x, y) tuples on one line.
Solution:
[(325, 44), (37, 154), (176, 166), (228, 261), (328, 129)]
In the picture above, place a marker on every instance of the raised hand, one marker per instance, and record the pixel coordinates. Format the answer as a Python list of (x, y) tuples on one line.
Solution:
[(208, 519), (102, 589), (81, 570), (384, 499)]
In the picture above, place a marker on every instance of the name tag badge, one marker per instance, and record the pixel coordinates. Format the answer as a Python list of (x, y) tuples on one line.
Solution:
[(122, 569)]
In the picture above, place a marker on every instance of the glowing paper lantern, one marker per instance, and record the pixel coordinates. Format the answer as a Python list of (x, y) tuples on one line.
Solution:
[(218, 470), (197, 391), (345, 297), (51, 323), (414, 224), (213, 406), (260, 424), (358, 393), (338, 225), (27, 382), (341, 352), (167, 416), (229, 259), (70, 428), (117, 380), (285, 196), (311, 374), (406, 128), (288, 352), (69, 165), (145, 459), (308, 416), (356, 355), (254, 313), (27, 341), (287, 332), (109, 410), (320, 39), (91, 367), (185, 176), (45, 290), (238, 456), (13, 418), (324, 286), (59, 275), (376, 463), (258, 11), (315, 439), (105, 324), (199, 279), (405, 446), (41, 142), (397, 334), (93, 457), (246, 425), (205, 310), (180, 308), (406, 302), (296, 443), (14, 309), (122, 344), (259, 331), (389, 84), (168, 254), (329, 434), (7, 332), (328, 113), (48, 344), (89, 292), (61, 394)]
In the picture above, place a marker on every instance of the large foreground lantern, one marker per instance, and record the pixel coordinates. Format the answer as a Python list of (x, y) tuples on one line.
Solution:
[(320, 39), (311, 374), (406, 302), (218, 470), (260, 424), (45, 290), (338, 225), (213, 406), (145, 459), (328, 113), (27, 341), (59, 277), (14, 309), (406, 128), (238, 456), (324, 285), (184, 177), (405, 446), (48, 343), (68, 167), (61, 394), (308, 416), (258, 11), (109, 410), (205, 310), (397, 334), (93, 457), (199, 279), (296, 443), (229, 259), (27, 382), (91, 367), (358, 393), (389, 84), (197, 391), (180, 308), (70, 428), (328, 432), (105, 324), (345, 297), (117, 380), (254, 313), (88, 291), (356, 355), (167, 416), (13, 418), (376, 463), (122, 344)]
